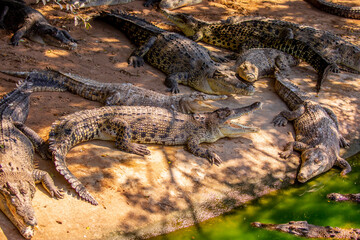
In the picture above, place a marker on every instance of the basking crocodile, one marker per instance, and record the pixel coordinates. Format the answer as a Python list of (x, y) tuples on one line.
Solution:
[(27, 22), (183, 60), (17, 169), (171, 4), (316, 128), (93, 3), (304, 229), (131, 125), (336, 9), (122, 93), (239, 37), (354, 197), (335, 49), (260, 62)]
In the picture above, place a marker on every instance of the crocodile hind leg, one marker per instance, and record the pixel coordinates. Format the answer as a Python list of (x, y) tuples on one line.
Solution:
[(344, 165), (41, 147), (123, 137), (172, 80), (194, 147), (61, 35), (137, 57), (48, 183)]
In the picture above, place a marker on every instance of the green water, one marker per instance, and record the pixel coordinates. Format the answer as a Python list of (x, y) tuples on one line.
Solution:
[(300, 202)]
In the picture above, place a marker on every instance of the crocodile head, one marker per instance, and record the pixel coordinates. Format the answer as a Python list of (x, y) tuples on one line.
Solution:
[(298, 228), (197, 102), (15, 203), (220, 124), (314, 161), (173, 4), (187, 23), (248, 71), (225, 82)]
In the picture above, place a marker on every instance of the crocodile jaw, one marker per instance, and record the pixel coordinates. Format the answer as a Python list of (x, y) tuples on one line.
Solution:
[(185, 22), (26, 230), (231, 129)]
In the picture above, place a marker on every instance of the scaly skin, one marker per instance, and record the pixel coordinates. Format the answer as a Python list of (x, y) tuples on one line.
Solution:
[(184, 61), (336, 9), (17, 169), (316, 128), (93, 3), (354, 197), (260, 62), (333, 48), (121, 93), (239, 37), (131, 125), (28, 22), (304, 229)]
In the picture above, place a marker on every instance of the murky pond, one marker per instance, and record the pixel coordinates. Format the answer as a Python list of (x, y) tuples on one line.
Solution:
[(300, 202)]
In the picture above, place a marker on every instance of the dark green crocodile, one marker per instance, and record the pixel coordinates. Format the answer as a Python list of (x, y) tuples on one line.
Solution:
[(336, 9), (353, 197), (304, 229), (131, 125), (239, 37), (122, 93), (27, 22), (183, 60), (316, 128), (18, 174)]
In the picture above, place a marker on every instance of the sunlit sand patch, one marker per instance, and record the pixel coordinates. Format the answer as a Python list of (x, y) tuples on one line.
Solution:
[(56, 53)]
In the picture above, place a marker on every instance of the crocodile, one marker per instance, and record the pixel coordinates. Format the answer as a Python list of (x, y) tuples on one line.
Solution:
[(18, 173), (93, 3), (333, 48), (260, 62), (354, 197), (336, 9), (131, 125), (27, 22), (183, 60), (171, 4), (304, 229), (122, 93), (239, 37), (316, 128)]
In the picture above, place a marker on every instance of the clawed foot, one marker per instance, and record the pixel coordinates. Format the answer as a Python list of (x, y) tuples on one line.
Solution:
[(213, 158), (57, 193), (174, 89), (344, 143), (136, 61), (279, 121), (285, 154), (140, 149)]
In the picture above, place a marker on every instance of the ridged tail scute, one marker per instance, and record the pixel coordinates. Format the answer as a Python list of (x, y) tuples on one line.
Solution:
[(59, 151)]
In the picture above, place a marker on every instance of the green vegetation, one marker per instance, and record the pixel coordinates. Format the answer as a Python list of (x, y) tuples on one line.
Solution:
[(300, 202)]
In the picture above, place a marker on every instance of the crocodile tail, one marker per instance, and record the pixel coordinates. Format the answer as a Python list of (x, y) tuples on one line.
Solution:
[(16, 74), (45, 84), (324, 74), (60, 142)]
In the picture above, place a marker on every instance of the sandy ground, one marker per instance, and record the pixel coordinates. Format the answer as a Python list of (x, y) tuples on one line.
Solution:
[(145, 196)]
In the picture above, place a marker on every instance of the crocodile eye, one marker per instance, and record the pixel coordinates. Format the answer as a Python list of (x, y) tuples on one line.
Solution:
[(317, 161), (23, 191)]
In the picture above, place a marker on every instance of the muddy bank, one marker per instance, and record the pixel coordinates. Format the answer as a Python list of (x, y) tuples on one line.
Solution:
[(171, 188)]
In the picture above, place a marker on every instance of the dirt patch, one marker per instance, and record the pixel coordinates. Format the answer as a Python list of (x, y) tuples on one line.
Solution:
[(170, 189)]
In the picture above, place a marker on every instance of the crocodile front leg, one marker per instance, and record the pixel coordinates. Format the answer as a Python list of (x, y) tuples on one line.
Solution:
[(193, 145), (172, 81), (291, 146), (41, 147), (19, 34), (48, 183), (282, 118), (61, 35), (123, 137), (137, 57), (344, 165)]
